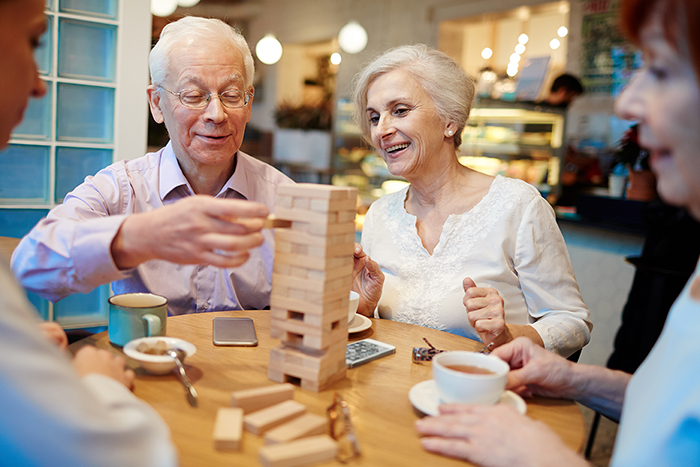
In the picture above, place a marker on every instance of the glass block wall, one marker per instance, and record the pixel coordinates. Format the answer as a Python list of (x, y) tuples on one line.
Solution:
[(65, 136)]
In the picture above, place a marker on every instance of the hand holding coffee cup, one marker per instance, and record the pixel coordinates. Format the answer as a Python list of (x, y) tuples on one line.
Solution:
[(136, 315), (469, 377)]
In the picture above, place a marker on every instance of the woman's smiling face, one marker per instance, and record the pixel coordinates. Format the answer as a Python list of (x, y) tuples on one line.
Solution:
[(664, 97), (404, 124)]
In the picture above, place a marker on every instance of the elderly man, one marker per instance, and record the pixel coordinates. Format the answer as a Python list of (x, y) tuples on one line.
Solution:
[(180, 222)]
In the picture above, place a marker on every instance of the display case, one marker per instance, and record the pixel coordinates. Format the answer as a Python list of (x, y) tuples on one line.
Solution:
[(518, 139)]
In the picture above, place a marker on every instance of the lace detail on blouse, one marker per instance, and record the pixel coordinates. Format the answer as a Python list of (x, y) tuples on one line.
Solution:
[(425, 277)]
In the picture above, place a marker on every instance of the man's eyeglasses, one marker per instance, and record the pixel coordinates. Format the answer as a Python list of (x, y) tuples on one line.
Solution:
[(196, 99), (341, 429)]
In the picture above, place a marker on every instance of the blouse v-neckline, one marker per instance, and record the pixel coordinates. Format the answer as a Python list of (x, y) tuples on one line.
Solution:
[(450, 222)]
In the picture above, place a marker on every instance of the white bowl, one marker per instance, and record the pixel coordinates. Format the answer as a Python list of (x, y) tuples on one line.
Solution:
[(158, 364), (354, 302)]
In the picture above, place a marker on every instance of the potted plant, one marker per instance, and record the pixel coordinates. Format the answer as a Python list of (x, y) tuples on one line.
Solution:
[(303, 136)]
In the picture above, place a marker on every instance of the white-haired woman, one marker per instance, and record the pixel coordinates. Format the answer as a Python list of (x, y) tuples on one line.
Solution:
[(455, 238)]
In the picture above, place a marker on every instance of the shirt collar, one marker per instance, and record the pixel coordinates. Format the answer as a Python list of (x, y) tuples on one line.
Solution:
[(171, 176)]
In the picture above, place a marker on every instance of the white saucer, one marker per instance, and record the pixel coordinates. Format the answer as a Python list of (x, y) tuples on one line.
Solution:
[(425, 397), (358, 324)]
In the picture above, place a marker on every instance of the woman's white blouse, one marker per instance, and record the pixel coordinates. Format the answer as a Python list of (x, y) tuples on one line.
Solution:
[(509, 241)]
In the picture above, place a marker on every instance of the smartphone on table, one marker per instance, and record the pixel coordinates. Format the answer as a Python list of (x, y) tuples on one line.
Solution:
[(234, 331)]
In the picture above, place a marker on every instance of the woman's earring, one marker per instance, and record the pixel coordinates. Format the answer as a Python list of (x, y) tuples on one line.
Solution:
[(449, 133)]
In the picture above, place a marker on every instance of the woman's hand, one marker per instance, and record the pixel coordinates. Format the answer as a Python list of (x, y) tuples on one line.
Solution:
[(367, 280), (494, 436), (486, 313), (54, 333), (90, 359)]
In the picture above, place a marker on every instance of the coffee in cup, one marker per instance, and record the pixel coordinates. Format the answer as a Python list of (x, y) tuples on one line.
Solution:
[(469, 377), (136, 315)]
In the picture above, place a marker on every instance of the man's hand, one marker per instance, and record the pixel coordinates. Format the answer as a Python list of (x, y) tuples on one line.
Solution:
[(90, 359), (367, 280), (494, 436), (196, 230)]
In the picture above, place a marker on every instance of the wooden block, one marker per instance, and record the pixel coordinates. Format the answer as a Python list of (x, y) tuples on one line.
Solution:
[(327, 274), (228, 429), (300, 452), (324, 229), (348, 204), (251, 400), (305, 238), (313, 285), (301, 202), (346, 216), (284, 201), (327, 316), (304, 364), (272, 222), (314, 190), (302, 427), (270, 417), (296, 326), (315, 307), (305, 215), (318, 263), (312, 340), (322, 385)]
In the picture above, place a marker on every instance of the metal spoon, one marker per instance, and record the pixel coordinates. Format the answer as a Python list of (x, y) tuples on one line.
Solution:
[(179, 356)]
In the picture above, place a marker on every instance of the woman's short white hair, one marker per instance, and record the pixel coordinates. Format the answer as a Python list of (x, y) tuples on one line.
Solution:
[(193, 27), (451, 90)]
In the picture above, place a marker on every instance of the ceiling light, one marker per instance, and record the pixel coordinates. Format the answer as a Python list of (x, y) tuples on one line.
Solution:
[(519, 49), (336, 58), (352, 38), (515, 58), (523, 38), (512, 72), (163, 7), (268, 49), (562, 31), (486, 53), (554, 44)]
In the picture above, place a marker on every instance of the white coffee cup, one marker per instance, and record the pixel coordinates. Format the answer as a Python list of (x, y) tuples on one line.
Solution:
[(352, 307), (469, 388)]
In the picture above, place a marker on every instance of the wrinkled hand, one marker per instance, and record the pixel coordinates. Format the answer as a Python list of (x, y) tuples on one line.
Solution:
[(485, 312), (367, 280), (195, 230), (54, 333), (494, 436), (90, 359), (536, 371)]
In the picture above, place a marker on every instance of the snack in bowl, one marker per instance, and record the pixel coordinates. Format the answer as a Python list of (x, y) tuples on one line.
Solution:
[(147, 351)]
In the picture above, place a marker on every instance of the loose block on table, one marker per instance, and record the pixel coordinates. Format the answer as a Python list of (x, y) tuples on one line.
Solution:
[(228, 428), (301, 427), (251, 400), (300, 452), (262, 420)]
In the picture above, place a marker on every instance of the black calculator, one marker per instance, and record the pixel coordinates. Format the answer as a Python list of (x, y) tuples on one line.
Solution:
[(366, 350)]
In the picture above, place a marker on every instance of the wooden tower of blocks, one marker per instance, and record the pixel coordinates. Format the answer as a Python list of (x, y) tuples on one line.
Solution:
[(311, 284)]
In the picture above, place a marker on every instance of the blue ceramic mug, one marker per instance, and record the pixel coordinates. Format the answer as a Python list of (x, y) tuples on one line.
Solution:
[(135, 315)]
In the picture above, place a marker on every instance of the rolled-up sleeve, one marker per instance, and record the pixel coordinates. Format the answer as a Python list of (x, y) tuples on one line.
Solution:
[(70, 250), (548, 283)]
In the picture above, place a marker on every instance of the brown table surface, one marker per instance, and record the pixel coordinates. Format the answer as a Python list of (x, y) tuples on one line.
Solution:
[(377, 393)]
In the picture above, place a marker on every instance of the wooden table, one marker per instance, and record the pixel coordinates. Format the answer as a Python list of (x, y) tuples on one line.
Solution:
[(377, 393)]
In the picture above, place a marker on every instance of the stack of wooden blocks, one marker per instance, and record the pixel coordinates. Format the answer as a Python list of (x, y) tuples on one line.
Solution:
[(311, 284)]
